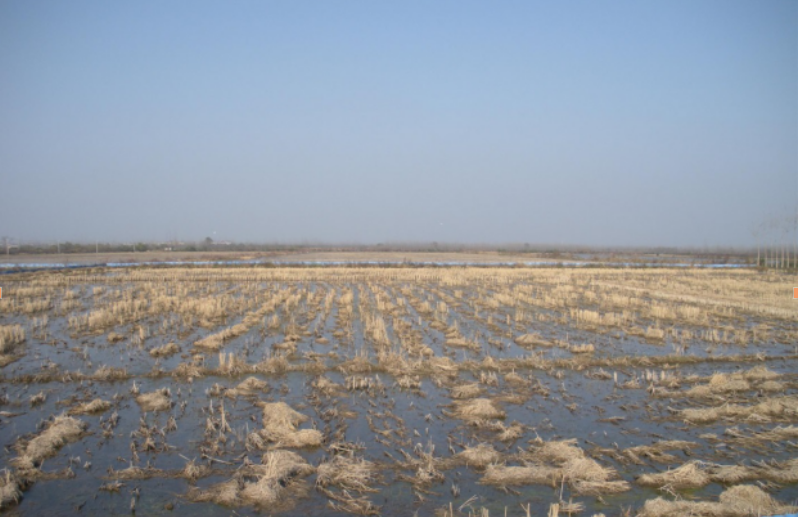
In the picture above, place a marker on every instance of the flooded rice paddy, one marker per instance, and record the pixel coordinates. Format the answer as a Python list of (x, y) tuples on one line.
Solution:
[(398, 391)]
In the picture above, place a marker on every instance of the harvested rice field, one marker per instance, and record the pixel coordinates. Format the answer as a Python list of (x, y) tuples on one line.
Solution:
[(399, 391)]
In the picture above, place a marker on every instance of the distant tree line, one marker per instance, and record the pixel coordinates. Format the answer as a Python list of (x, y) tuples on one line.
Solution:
[(764, 255)]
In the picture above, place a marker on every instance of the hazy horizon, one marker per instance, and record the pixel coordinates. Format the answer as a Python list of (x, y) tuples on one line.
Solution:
[(587, 123)]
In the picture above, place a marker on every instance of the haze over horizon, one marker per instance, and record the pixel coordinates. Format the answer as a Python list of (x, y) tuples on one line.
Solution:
[(594, 123)]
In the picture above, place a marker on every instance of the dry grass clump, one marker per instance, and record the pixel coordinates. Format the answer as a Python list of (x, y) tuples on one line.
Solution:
[(466, 391), (558, 451), (532, 340), (275, 483), (10, 336), (570, 465), (696, 392), (655, 334), (188, 371), (89, 408), (724, 382), (775, 407), (409, 382), (276, 364), (732, 474), (216, 341), (10, 492), (689, 475), (109, 373), (777, 434), (721, 383), (158, 400), (598, 488), (513, 432), (133, 472), (771, 386), (249, 387), (459, 342), (193, 472), (326, 386), (587, 469), (784, 473), (280, 423), (38, 398), (503, 475), (517, 380), (62, 430), (656, 451), (479, 456), (165, 350), (286, 346), (440, 365), (477, 409), (358, 364), (760, 373), (738, 501), (363, 383), (347, 472), (582, 349)]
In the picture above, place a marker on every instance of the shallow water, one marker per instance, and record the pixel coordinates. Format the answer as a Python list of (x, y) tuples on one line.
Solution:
[(569, 400)]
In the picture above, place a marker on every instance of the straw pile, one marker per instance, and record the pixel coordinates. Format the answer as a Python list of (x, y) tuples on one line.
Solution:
[(276, 481), (108, 373), (326, 386), (466, 391), (192, 471), (515, 379), (776, 407), (477, 409), (760, 373), (188, 371), (62, 430), (479, 456), (732, 474), (158, 400), (459, 342), (502, 475), (738, 501), (10, 492), (249, 387), (89, 408), (656, 451), (689, 475), (280, 423), (555, 462), (348, 473), (582, 349), (165, 351), (532, 340), (508, 434), (133, 472), (784, 473)]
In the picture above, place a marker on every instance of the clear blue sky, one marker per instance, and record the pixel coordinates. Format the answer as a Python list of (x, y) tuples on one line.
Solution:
[(604, 123)]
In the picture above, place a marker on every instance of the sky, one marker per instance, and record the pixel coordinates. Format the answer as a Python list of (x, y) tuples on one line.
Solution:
[(604, 123)]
